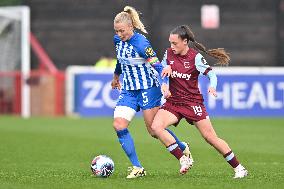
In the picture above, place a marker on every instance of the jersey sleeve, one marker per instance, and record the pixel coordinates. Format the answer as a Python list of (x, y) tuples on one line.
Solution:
[(117, 70), (213, 79), (146, 51), (202, 66), (116, 39), (144, 47), (164, 61)]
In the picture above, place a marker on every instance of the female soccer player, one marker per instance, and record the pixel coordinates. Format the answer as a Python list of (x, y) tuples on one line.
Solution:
[(186, 101), (141, 88)]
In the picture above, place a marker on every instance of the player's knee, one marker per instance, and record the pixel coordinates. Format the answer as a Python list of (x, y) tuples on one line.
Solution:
[(156, 128), (150, 131), (119, 124)]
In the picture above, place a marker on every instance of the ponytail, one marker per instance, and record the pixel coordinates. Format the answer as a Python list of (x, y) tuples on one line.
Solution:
[(184, 32), (131, 16), (135, 18)]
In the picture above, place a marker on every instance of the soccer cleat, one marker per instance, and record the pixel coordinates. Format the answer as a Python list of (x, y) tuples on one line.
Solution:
[(136, 172), (185, 164), (187, 152), (240, 172)]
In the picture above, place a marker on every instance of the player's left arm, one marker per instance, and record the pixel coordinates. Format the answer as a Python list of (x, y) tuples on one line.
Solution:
[(147, 52), (202, 66)]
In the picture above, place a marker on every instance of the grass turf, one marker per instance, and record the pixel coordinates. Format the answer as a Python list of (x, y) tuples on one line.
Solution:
[(56, 153)]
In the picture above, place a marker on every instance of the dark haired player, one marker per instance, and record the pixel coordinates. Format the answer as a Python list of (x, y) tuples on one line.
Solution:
[(186, 101)]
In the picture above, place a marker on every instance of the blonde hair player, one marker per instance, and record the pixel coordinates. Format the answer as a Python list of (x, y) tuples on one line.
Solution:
[(186, 100), (140, 87)]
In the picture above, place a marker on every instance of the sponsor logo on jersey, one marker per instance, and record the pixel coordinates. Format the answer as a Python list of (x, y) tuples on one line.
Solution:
[(172, 62), (180, 75), (186, 64)]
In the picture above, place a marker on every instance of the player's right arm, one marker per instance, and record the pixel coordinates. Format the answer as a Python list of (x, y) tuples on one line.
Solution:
[(115, 83), (167, 70)]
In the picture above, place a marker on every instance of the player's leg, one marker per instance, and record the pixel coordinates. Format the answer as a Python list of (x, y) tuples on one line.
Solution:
[(150, 101), (182, 145), (208, 133), (149, 115), (123, 114), (125, 139), (161, 121)]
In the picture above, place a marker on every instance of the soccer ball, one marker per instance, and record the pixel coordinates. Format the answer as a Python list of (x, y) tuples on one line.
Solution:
[(102, 166)]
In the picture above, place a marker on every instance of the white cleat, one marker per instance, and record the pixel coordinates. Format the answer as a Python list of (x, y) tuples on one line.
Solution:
[(185, 164), (187, 152), (136, 172), (240, 172)]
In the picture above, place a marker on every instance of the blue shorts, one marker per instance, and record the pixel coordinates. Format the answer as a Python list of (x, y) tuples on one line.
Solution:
[(142, 98)]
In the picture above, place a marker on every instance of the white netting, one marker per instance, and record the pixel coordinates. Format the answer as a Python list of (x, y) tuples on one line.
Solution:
[(14, 59), (10, 40)]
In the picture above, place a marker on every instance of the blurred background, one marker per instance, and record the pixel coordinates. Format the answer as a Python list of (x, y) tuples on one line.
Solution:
[(56, 64), (80, 32), (67, 38)]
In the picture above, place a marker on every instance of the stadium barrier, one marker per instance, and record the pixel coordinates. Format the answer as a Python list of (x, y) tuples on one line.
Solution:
[(242, 92), (47, 93), (47, 96)]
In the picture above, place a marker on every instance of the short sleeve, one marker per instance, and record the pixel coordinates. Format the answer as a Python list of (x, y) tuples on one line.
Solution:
[(164, 61), (115, 39), (145, 49), (201, 64)]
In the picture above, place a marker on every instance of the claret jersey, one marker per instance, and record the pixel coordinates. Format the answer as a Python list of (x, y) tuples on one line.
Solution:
[(184, 78)]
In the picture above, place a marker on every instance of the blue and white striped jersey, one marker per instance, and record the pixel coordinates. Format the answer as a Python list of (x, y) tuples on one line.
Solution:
[(132, 56)]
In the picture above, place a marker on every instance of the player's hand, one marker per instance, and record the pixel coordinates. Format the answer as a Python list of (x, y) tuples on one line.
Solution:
[(165, 90), (167, 71), (212, 91), (115, 84)]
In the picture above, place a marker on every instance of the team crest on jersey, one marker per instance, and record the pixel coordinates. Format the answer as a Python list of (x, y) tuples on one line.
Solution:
[(149, 51), (186, 64)]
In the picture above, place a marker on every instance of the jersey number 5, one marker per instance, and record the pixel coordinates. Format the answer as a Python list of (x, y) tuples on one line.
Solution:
[(145, 98)]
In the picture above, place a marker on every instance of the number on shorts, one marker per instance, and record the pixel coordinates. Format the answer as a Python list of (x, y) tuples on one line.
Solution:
[(145, 98), (197, 110)]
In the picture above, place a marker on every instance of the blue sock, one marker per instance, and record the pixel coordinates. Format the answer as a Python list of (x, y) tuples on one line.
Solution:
[(127, 144), (180, 145)]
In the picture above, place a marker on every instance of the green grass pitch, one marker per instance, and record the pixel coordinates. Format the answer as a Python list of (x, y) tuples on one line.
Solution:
[(56, 153)]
